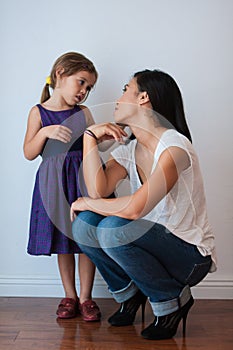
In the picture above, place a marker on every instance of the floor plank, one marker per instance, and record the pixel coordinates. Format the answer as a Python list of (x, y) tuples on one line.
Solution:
[(31, 323)]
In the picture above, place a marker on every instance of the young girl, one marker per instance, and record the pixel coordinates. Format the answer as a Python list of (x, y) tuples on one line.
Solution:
[(54, 131)]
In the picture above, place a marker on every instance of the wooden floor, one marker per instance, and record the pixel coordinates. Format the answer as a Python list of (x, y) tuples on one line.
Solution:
[(31, 324)]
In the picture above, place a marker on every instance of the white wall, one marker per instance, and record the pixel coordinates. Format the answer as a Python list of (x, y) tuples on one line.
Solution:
[(191, 40)]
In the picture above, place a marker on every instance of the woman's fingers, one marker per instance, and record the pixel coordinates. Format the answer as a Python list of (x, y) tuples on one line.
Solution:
[(108, 129), (72, 213), (115, 131)]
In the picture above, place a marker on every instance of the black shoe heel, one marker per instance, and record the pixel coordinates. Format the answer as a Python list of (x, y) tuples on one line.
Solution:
[(143, 305), (125, 315), (184, 322), (165, 327)]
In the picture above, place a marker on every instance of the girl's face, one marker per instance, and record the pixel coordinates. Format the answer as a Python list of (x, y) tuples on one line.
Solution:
[(76, 87), (128, 104)]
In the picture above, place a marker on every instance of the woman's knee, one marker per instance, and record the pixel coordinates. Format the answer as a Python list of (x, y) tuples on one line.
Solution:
[(113, 222), (89, 217), (113, 231), (84, 228)]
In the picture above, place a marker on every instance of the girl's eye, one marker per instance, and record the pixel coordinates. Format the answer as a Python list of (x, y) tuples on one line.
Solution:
[(82, 82)]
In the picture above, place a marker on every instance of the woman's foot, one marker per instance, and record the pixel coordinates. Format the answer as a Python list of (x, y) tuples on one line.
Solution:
[(165, 327), (90, 310), (125, 315), (68, 308)]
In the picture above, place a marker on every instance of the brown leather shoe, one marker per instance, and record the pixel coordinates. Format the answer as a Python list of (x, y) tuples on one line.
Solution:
[(68, 308), (90, 311)]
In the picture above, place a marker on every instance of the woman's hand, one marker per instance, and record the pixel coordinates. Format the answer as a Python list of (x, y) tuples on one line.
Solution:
[(108, 131), (79, 205), (58, 132)]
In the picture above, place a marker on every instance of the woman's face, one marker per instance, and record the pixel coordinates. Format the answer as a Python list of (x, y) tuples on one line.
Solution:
[(128, 104)]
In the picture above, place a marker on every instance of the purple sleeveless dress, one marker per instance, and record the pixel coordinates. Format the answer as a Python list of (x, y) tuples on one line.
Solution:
[(59, 182)]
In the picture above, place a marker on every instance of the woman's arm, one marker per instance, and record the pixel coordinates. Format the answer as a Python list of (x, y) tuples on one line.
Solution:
[(36, 135), (171, 163), (101, 182), (102, 146)]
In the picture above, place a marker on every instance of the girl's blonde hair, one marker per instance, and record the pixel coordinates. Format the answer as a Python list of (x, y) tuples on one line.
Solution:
[(71, 63)]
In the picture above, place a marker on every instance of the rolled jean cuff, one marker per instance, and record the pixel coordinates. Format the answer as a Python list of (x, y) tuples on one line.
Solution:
[(167, 307), (124, 294)]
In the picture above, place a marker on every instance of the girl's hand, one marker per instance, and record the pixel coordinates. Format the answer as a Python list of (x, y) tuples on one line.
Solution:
[(79, 205), (108, 131), (58, 132)]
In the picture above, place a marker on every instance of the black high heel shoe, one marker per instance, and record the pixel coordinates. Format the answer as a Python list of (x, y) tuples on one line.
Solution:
[(165, 327), (125, 315)]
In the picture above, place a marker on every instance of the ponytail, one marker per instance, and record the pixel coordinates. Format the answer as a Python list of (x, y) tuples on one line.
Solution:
[(45, 94)]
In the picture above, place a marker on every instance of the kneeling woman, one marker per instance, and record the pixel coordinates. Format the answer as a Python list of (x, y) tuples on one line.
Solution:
[(155, 243)]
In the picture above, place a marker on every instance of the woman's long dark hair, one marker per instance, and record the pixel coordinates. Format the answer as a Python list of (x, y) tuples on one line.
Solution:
[(165, 97)]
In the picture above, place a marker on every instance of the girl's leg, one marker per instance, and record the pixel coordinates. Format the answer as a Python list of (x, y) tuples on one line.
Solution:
[(86, 277), (88, 307), (68, 306), (66, 263)]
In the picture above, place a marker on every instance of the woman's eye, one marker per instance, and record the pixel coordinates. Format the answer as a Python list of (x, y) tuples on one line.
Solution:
[(125, 88), (81, 82)]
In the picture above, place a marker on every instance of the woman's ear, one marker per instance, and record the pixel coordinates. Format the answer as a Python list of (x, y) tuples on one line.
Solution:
[(143, 98)]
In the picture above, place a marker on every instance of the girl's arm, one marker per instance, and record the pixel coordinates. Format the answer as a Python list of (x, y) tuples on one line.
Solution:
[(101, 182), (36, 136), (171, 163), (88, 116)]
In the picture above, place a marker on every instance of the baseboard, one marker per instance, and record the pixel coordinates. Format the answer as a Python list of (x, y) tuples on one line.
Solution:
[(214, 289), (41, 286)]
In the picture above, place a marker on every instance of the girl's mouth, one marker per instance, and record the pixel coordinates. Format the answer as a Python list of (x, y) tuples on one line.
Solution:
[(78, 98)]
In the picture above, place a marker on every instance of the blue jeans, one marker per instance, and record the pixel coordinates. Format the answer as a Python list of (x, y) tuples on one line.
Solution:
[(132, 255)]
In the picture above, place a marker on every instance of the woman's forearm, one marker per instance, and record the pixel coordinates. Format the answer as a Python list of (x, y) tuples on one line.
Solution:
[(98, 183), (94, 176), (123, 207)]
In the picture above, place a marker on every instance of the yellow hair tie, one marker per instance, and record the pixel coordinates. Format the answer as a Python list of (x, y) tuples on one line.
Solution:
[(48, 80)]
